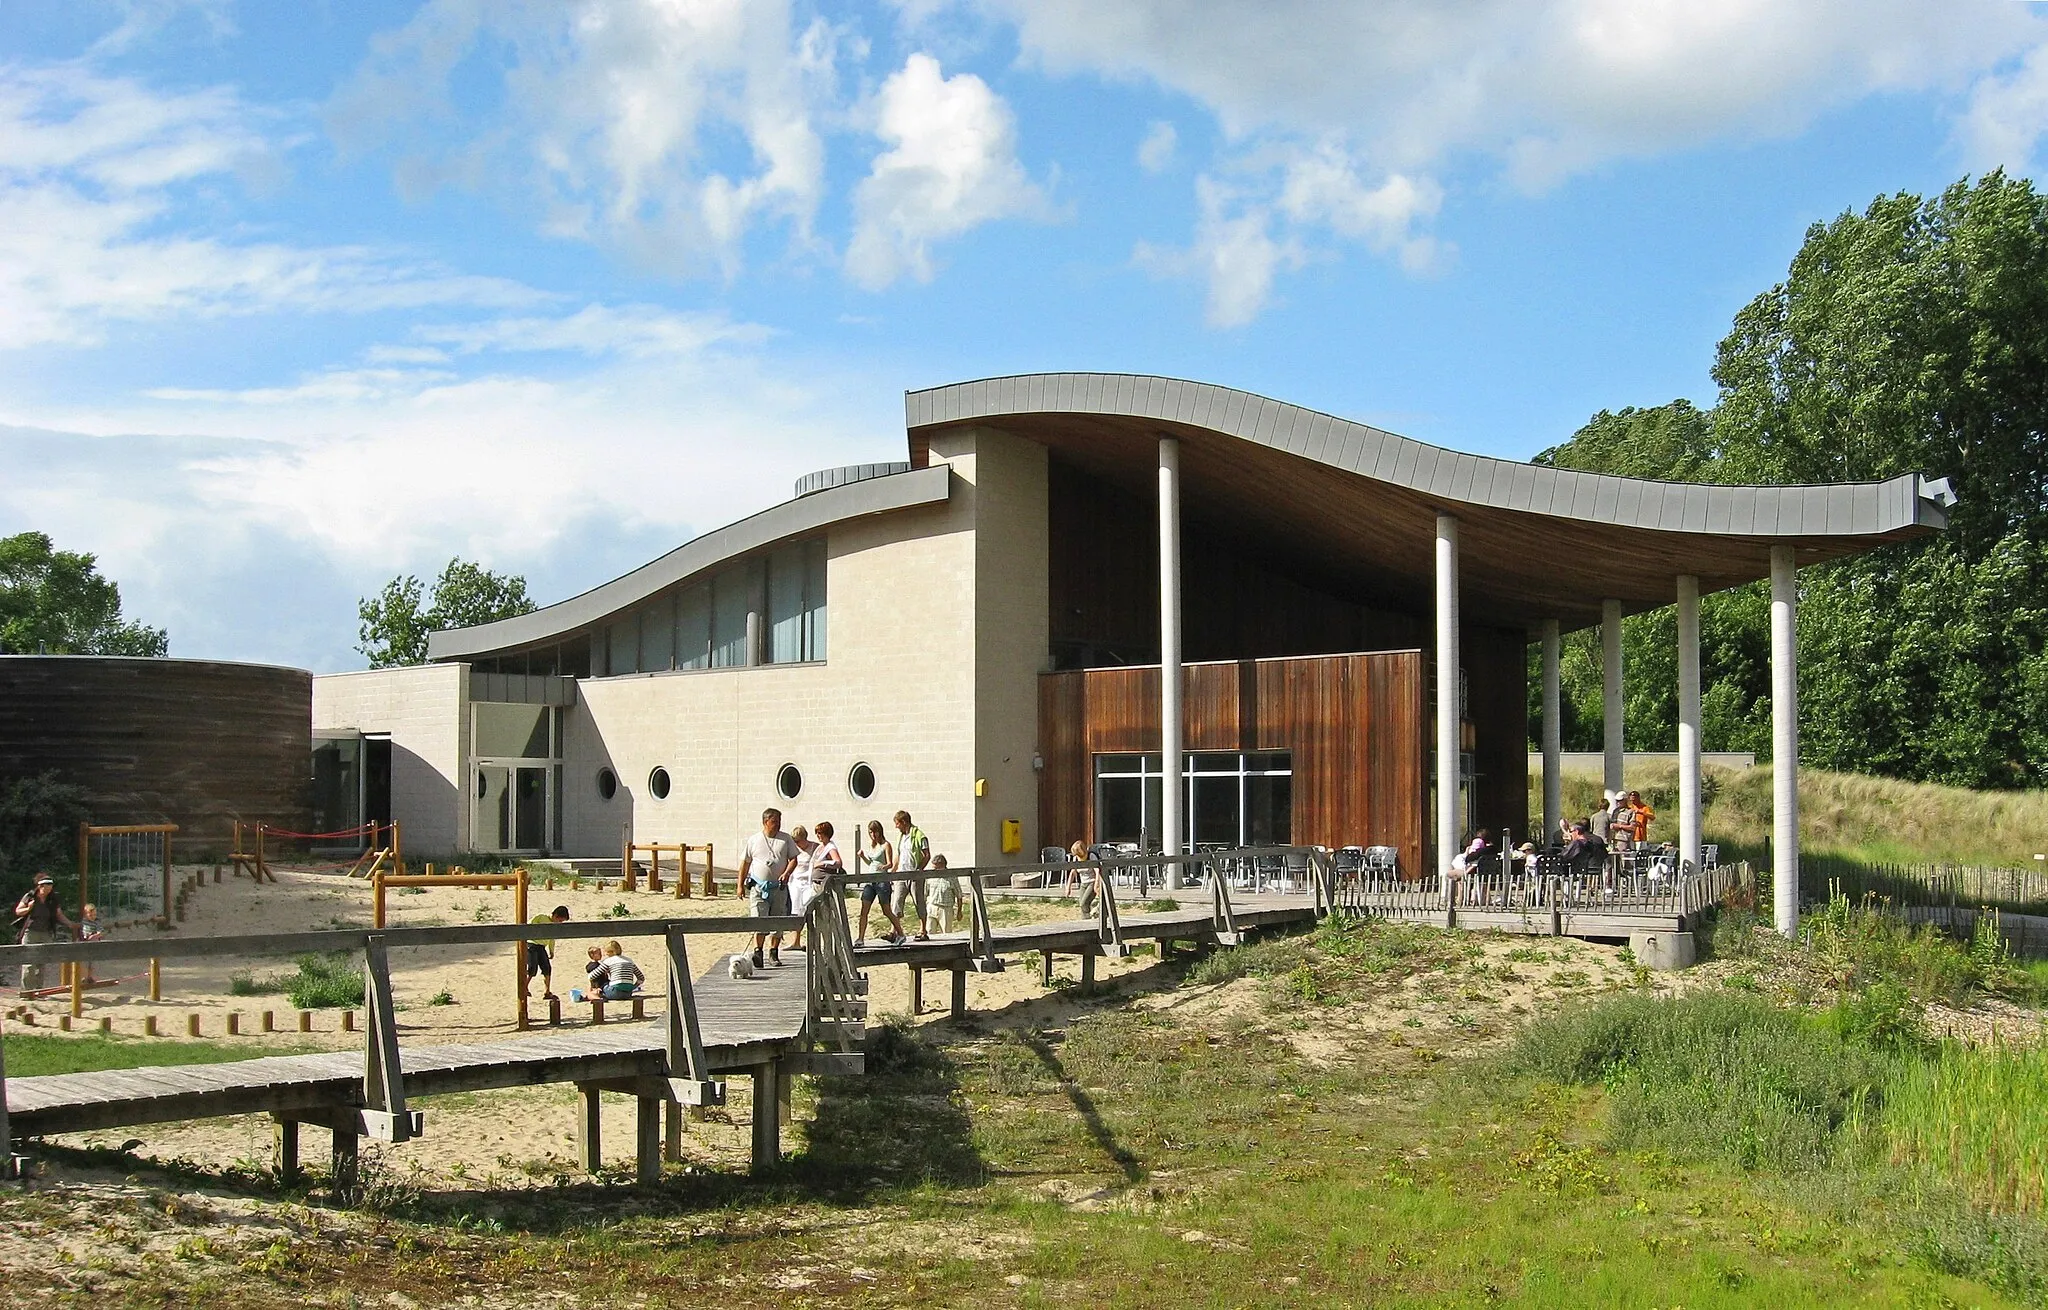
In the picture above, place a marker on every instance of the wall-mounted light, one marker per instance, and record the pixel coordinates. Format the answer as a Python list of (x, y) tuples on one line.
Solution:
[(1038, 766)]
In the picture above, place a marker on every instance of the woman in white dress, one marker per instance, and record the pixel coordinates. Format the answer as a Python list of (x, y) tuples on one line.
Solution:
[(800, 886)]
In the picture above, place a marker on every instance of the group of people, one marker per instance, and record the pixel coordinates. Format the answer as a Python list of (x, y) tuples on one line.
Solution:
[(1583, 845), (608, 975), (781, 874), (39, 918)]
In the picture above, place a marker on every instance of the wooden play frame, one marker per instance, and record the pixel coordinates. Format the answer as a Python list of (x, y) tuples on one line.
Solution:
[(73, 974), (629, 873), (517, 881)]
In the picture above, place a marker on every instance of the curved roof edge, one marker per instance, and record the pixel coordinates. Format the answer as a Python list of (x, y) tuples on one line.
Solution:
[(1838, 509), (791, 518)]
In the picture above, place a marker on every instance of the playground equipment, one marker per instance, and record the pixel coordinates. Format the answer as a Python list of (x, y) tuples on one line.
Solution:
[(125, 871), (254, 847), (516, 882), (629, 869)]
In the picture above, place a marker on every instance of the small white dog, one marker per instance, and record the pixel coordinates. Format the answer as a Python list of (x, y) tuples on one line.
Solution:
[(739, 966)]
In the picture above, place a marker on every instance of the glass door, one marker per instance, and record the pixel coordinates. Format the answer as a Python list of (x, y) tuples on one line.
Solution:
[(530, 808), (491, 824)]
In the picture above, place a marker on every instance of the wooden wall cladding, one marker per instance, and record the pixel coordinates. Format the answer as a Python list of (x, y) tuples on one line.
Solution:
[(1354, 724), (1104, 588), (190, 742)]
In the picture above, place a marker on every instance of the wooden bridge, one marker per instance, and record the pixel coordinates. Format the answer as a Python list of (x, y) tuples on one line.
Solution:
[(807, 1017)]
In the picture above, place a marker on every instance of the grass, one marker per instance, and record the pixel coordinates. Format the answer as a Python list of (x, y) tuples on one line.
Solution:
[(35, 1056), (1978, 1117), (320, 982), (1877, 820)]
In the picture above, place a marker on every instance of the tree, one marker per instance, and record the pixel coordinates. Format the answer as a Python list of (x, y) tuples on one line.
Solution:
[(54, 602), (1910, 337), (394, 629)]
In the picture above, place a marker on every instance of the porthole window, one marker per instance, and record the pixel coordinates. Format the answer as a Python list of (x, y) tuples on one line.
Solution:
[(789, 782), (607, 783), (861, 782), (657, 784)]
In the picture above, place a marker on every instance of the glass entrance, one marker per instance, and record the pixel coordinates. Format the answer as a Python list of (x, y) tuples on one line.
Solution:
[(516, 779), (1231, 799)]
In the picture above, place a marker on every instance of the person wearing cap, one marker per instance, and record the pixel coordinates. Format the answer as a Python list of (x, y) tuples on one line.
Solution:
[(42, 920)]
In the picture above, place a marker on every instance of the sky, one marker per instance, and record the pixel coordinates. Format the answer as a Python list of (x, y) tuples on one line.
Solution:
[(298, 297)]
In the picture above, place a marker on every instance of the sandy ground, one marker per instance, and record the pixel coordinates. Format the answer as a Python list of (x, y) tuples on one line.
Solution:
[(498, 1137)]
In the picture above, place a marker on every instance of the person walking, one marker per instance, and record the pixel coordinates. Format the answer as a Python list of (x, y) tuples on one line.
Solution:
[(945, 898), (826, 864), (764, 874), (1085, 878), (913, 854), (877, 861), (800, 887), (42, 921)]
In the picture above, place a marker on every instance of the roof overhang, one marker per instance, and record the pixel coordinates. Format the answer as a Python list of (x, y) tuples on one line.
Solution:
[(792, 519), (1356, 506)]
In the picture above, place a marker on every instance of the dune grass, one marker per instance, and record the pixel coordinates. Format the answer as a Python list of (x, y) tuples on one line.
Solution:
[(1978, 1117), (1878, 820)]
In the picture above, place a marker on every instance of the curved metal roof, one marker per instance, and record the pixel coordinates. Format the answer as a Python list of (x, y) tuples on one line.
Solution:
[(790, 519), (1358, 503)]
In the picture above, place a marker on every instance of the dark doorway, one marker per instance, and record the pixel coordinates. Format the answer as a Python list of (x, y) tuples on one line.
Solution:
[(377, 780)]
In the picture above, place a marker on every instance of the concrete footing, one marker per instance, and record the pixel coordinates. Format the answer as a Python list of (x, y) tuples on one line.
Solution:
[(1663, 950)]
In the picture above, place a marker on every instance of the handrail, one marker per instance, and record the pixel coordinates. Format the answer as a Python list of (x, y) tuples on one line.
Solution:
[(348, 939)]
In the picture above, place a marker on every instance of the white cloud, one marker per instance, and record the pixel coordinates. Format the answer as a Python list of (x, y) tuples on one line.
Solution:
[(1156, 149), (633, 331), (2008, 115), (613, 113), (92, 173), (1373, 104), (951, 165), (1234, 252)]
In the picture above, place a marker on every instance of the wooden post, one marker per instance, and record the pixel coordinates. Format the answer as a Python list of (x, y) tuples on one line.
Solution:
[(348, 1176), (269, 1021), (149, 1025), (1045, 968), (106, 1024), (959, 993), (647, 1140), (589, 1129), (348, 1021), (767, 1137), (156, 979), (165, 902), (519, 978), (672, 1128), (376, 898), (710, 878), (305, 1021), (916, 991), (191, 1025), (1087, 969), (77, 990), (383, 1080), (654, 866), (285, 1136), (234, 1023)]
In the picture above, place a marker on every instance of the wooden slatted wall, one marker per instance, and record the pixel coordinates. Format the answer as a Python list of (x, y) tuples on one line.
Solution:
[(1354, 724)]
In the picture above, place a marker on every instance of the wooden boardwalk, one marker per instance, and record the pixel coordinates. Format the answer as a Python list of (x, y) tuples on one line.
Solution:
[(744, 1023)]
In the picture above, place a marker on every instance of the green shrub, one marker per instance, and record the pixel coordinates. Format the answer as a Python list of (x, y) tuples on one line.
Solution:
[(39, 818), (325, 982), (248, 984), (1856, 944), (1712, 1075)]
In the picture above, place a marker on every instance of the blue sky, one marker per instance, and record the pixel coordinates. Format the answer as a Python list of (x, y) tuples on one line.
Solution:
[(296, 297)]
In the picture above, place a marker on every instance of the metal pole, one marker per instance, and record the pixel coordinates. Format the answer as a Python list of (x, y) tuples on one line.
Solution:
[(1553, 732), (1172, 788), (1784, 741), (1447, 708), (1688, 722), (1613, 713)]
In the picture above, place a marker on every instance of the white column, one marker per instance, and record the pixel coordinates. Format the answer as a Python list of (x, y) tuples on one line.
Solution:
[(1784, 741), (1173, 789), (1553, 732), (1448, 829), (1613, 712), (1688, 721)]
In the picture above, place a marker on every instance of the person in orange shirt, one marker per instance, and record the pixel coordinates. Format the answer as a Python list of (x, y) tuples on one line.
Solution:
[(1639, 817)]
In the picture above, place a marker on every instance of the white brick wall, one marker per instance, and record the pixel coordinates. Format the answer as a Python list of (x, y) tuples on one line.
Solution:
[(425, 710)]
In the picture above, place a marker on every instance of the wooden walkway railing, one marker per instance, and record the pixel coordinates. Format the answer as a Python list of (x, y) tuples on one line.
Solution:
[(378, 1109)]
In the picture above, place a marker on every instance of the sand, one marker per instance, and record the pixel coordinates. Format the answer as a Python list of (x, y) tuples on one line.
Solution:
[(454, 994)]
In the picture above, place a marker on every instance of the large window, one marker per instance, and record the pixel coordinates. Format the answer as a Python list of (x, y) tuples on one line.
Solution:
[(1232, 798), (705, 626)]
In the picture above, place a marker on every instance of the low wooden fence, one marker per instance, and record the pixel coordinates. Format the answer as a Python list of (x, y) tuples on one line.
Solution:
[(1957, 886), (1433, 898)]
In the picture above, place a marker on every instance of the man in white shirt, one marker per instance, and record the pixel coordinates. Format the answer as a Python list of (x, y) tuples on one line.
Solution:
[(764, 876)]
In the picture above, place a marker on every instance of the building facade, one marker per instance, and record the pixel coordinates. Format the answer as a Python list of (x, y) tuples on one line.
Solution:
[(977, 635)]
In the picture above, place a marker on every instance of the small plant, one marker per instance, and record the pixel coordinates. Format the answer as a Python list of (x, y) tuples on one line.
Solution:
[(325, 982), (619, 910), (1163, 905), (442, 997), (248, 984), (483, 914)]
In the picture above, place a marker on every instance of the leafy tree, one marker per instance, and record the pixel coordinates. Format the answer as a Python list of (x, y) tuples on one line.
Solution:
[(1912, 336), (54, 602), (39, 818), (394, 629)]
